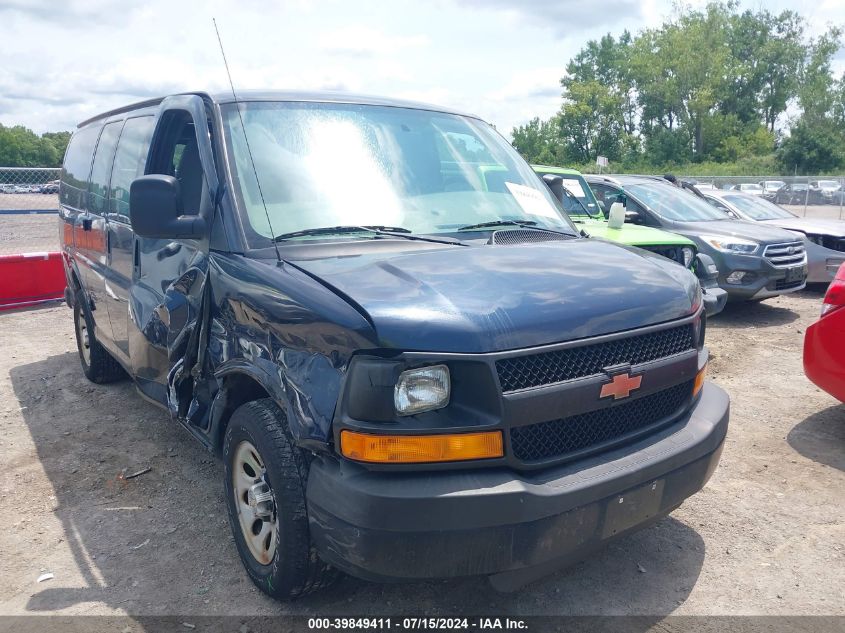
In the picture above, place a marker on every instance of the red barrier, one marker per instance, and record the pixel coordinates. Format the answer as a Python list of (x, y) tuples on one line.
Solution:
[(30, 278)]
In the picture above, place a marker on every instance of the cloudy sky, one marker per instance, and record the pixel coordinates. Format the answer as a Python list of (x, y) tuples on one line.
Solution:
[(63, 61)]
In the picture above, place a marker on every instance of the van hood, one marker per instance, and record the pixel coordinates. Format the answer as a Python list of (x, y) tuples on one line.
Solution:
[(740, 228), (820, 226), (492, 298)]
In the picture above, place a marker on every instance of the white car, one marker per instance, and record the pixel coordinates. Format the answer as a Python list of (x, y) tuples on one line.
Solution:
[(770, 188), (827, 189), (749, 187)]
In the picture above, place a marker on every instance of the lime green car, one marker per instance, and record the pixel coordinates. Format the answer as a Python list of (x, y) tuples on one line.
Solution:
[(581, 205)]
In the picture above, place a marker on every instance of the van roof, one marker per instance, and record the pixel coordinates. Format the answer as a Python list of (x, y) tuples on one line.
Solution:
[(314, 96)]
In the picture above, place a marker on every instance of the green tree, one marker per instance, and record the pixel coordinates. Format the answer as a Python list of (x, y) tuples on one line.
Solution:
[(539, 141), (813, 147)]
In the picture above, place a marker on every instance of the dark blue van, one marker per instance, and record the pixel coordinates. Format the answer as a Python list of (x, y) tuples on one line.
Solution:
[(410, 361)]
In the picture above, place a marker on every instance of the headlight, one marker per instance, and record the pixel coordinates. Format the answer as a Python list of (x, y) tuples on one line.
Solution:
[(423, 389), (688, 255), (731, 244)]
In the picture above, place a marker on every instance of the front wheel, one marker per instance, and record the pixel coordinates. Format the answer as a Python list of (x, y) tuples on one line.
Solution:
[(265, 476)]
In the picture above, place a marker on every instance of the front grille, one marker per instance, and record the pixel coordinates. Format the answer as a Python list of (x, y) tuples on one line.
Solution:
[(546, 368), (509, 237), (675, 253), (782, 284), (597, 429), (785, 255)]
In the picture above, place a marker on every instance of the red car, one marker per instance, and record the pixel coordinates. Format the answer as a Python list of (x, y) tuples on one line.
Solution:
[(824, 342)]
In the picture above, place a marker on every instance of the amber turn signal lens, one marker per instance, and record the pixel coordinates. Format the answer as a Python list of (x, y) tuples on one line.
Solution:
[(699, 381), (417, 449)]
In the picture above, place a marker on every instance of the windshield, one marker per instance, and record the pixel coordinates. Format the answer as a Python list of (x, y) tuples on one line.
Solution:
[(828, 184), (673, 203), (758, 208), (774, 184), (338, 165), (751, 187)]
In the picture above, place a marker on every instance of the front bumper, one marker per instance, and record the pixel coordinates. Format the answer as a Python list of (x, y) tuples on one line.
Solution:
[(414, 525), (822, 263), (768, 280), (714, 299)]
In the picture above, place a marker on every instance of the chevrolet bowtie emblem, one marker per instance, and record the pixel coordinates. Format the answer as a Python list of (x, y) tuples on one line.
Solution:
[(621, 386)]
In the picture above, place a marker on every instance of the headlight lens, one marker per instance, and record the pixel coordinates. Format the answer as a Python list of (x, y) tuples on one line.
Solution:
[(728, 244), (423, 389), (688, 255)]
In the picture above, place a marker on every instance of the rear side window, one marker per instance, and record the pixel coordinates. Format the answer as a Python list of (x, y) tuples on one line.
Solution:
[(77, 166), (101, 169), (129, 161)]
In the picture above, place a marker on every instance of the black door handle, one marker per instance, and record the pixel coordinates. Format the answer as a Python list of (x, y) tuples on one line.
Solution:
[(86, 223)]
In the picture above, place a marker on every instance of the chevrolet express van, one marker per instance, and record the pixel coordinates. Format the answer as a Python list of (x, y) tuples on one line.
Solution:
[(410, 368)]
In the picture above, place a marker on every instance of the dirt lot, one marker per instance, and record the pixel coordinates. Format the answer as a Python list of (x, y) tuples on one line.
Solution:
[(766, 536)]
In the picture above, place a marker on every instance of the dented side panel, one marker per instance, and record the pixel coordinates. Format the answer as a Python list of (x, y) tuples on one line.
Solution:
[(287, 332)]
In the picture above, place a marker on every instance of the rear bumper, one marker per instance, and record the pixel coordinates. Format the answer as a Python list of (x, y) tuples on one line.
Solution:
[(824, 353), (435, 524)]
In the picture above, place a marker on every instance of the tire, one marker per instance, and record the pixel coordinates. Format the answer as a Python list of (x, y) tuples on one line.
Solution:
[(97, 364), (278, 554)]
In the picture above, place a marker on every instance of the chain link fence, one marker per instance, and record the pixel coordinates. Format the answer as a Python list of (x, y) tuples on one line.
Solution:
[(29, 202), (813, 196)]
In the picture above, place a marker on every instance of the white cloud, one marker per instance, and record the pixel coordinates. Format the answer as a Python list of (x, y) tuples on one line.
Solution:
[(367, 41)]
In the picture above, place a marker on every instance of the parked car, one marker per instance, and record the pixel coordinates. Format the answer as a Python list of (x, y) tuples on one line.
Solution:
[(704, 186), (50, 187), (7, 189), (750, 188), (770, 188), (589, 215), (825, 238), (754, 261), (826, 190), (395, 366), (824, 344), (798, 193)]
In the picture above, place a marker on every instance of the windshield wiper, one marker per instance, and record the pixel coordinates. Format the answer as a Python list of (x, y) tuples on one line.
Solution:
[(338, 230), (484, 225), (374, 229), (526, 224)]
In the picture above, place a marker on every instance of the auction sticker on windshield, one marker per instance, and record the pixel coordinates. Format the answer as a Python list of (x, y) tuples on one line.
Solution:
[(532, 201)]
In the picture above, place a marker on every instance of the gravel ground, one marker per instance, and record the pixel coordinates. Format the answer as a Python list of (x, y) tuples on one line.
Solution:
[(766, 536)]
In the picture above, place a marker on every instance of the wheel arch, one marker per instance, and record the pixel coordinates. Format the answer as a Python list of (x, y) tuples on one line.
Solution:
[(240, 382)]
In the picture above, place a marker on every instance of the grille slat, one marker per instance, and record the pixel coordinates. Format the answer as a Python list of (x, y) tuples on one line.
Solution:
[(597, 429), (546, 368), (779, 255)]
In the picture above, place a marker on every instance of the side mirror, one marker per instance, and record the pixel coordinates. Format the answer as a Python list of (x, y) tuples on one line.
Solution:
[(155, 209), (633, 217), (555, 184)]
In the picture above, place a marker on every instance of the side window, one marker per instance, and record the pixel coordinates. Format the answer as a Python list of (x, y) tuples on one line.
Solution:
[(176, 154), (129, 162), (77, 166), (101, 169), (605, 194)]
